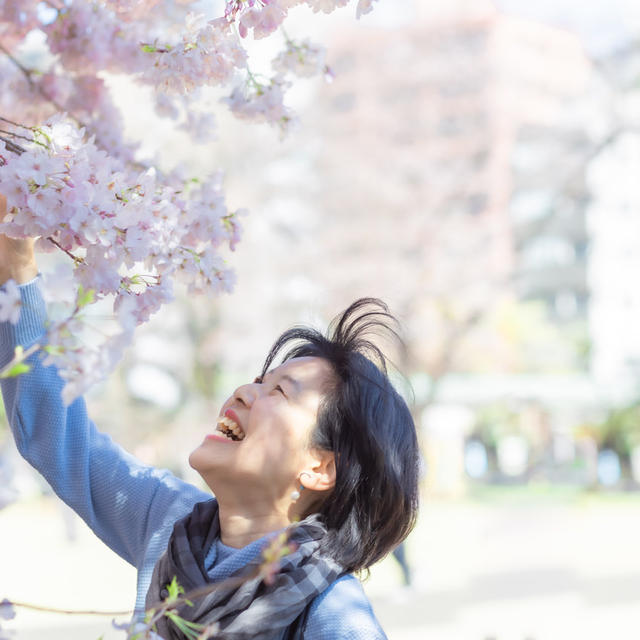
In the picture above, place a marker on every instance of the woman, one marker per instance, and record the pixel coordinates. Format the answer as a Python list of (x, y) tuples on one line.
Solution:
[(321, 440)]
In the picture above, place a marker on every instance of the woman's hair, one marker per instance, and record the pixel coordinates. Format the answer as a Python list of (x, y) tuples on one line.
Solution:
[(369, 427)]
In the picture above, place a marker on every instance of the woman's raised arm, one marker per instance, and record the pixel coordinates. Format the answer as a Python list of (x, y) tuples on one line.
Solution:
[(130, 506)]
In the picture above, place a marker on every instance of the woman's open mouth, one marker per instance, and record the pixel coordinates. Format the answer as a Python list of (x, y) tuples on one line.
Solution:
[(230, 428)]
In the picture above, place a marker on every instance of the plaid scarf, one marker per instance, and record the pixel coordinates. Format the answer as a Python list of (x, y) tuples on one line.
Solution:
[(252, 609)]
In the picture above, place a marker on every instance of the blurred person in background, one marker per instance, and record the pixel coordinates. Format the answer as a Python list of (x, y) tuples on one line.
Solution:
[(320, 446), (400, 554)]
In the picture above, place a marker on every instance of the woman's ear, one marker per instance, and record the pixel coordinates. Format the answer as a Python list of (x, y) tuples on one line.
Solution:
[(319, 473)]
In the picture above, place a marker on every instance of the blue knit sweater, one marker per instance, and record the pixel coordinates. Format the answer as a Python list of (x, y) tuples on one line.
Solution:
[(131, 506)]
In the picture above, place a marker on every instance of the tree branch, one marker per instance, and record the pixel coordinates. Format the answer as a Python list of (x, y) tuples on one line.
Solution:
[(15, 135), (540, 225), (15, 124), (28, 75), (71, 255), (12, 146), (36, 86), (35, 607)]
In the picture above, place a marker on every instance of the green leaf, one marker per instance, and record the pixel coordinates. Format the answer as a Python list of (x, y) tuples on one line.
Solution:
[(190, 629), (39, 132), (16, 370), (16, 367), (53, 349), (84, 297), (148, 48), (174, 589)]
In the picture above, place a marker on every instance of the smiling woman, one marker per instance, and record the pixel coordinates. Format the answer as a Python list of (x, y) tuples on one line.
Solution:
[(320, 447), (276, 425)]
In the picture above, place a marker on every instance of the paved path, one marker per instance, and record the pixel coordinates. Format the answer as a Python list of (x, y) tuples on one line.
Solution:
[(503, 570)]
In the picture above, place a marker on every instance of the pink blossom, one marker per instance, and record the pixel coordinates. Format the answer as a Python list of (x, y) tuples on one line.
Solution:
[(303, 59), (128, 10), (326, 6), (59, 291), (166, 106), (17, 18), (84, 35), (130, 231), (264, 20), (364, 6), (10, 302), (201, 126), (262, 103)]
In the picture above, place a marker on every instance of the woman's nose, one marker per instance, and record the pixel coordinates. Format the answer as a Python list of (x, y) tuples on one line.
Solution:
[(247, 393)]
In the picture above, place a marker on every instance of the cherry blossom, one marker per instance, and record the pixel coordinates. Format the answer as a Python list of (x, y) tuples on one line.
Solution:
[(364, 6), (18, 18), (262, 103), (263, 21), (130, 232), (128, 10), (303, 59), (326, 6), (10, 302), (59, 291)]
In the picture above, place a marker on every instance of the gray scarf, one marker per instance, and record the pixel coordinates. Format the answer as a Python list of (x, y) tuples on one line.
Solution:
[(252, 610)]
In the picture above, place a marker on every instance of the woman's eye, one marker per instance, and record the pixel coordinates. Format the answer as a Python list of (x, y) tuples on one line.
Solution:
[(280, 389)]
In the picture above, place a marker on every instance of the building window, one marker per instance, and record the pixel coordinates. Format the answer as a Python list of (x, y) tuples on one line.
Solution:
[(548, 251)]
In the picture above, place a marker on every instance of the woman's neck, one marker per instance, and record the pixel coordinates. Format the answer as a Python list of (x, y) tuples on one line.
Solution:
[(241, 525)]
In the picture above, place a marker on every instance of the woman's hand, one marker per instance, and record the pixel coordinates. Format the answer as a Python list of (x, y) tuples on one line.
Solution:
[(17, 258)]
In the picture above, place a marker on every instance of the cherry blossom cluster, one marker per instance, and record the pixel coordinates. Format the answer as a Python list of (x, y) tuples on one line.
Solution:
[(131, 37), (302, 59), (17, 18), (265, 16), (129, 231), (262, 102), (129, 236)]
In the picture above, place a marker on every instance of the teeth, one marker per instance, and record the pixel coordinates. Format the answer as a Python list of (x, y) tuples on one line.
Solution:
[(230, 428), (227, 422)]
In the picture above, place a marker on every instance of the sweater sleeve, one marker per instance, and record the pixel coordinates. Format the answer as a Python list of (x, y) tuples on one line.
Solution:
[(343, 611), (124, 502)]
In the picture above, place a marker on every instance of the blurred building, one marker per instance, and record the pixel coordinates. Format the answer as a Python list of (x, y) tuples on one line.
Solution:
[(548, 219), (428, 173), (614, 266), (459, 180), (614, 229), (465, 178)]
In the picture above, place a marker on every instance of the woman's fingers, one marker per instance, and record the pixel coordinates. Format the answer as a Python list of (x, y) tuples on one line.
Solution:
[(17, 257)]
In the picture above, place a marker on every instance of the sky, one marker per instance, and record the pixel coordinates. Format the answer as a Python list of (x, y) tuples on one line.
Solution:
[(604, 25)]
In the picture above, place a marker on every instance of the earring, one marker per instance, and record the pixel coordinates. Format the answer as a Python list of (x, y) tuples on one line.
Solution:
[(295, 494)]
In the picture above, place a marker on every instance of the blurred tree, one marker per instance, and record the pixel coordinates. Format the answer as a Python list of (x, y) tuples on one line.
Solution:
[(418, 210)]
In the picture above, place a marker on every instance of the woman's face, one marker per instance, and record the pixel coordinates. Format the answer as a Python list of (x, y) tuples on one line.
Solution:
[(273, 419)]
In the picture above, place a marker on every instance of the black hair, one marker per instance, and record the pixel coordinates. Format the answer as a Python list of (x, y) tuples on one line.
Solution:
[(369, 427)]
